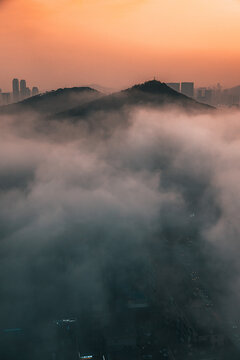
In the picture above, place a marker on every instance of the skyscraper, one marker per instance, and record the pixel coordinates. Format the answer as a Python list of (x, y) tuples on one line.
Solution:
[(23, 89), (187, 88), (28, 92), (208, 96), (174, 86), (35, 91), (15, 88)]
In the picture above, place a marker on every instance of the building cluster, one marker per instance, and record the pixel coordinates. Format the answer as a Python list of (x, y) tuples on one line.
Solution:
[(20, 91), (218, 97), (186, 88), (215, 95)]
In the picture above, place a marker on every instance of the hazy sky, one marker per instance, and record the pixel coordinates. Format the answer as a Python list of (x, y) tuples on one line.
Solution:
[(115, 43)]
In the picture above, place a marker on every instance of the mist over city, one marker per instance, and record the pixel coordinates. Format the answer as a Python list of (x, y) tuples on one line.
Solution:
[(119, 180)]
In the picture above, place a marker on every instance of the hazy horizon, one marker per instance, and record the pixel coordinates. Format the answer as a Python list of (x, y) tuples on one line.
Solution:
[(118, 43), (104, 88)]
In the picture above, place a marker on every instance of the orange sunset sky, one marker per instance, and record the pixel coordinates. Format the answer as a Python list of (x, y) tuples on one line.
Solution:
[(115, 43)]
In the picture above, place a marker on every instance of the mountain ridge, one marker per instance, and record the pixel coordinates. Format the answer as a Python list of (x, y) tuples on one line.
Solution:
[(78, 102), (151, 93), (62, 99)]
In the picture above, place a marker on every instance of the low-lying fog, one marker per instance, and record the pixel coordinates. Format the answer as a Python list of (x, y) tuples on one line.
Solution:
[(83, 208)]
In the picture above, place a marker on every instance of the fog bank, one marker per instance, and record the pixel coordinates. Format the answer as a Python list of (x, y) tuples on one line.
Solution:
[(88, 214)]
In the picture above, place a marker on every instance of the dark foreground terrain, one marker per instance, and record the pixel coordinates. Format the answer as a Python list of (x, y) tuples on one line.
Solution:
[(107, 206)]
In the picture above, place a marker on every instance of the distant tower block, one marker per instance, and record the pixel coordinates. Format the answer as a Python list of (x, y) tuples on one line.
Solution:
[(28, 92), (35, 91), (23, 89), (187, 88), (174, 86), (15, 89)]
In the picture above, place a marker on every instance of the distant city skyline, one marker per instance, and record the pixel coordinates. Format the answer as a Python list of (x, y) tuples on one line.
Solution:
[(19, 92), (215, 95), (64, 84), (164, 79)]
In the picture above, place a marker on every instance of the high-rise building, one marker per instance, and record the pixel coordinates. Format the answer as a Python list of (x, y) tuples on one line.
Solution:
[(205, 95), (23, 89), (209, 96), (15, 88), (218, 94), (187, 88), (35, 91), (174, 86), (28, 92), (201, 94)]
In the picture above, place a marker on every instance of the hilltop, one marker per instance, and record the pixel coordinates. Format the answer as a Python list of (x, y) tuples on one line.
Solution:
[(79, 102), (150, 94), (53, 101)]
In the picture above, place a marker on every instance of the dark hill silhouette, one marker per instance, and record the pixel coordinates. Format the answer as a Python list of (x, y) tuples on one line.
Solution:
[(150, 94), (53, 101)]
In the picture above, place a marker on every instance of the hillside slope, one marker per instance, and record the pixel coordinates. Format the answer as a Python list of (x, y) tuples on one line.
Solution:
[(150, 94), (53, 101)]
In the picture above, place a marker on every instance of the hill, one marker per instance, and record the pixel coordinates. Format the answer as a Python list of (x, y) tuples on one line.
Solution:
[(53, 101), (150, 94)]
